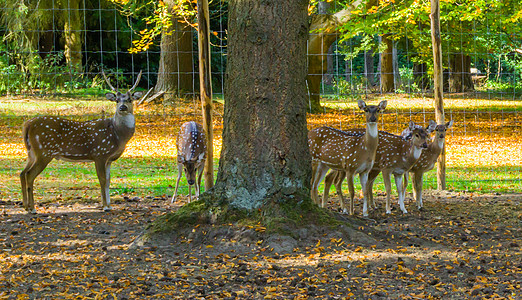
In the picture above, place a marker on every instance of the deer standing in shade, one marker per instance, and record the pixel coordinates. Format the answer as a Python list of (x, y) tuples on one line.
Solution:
[(101, 141), (426, 161), (192, 149), (395, 156), (351, 154)]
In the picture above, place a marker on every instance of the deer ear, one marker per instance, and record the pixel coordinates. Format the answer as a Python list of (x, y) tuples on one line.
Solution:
[(137, 95), (362, 104), (449, 124), (382, 105), (111, 96), (431, 126)]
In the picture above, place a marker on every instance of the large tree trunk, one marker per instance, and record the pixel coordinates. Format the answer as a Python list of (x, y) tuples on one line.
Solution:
[(387, 82), (176, 66), (323, 32), (72, 34), (265, 158), (460, 76)]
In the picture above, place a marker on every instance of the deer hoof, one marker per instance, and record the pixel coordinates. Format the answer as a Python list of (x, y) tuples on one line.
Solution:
[(107, 208), (32, 211)]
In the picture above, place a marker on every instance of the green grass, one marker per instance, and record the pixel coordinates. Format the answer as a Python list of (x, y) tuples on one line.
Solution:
[(480, 180), (129, 176), (156, 175)]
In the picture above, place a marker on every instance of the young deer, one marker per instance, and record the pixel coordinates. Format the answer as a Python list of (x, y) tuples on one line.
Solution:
[(192, 150), (331, 149), (395, 155), (101, 141), (426, 161)]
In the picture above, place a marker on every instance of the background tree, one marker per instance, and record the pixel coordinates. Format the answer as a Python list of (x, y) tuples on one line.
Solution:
[(176, 65)]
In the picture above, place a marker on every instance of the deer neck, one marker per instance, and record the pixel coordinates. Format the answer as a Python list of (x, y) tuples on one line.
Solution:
[(124, 125), (371, 137), (415, 153), (435, 147)]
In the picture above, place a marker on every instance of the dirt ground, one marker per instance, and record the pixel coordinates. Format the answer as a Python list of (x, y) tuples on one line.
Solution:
[(461, 246)]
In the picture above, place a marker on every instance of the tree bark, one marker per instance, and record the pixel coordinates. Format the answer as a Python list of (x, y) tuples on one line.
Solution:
[(265, 158), (176, 67), (387, 83), (460, 77), (72, 35)]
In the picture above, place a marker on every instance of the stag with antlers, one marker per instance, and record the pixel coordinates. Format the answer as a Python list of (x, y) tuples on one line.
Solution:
[(101, 141)]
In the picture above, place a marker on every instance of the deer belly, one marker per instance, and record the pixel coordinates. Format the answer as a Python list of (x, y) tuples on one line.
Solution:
[(73, 158), (364, 167)]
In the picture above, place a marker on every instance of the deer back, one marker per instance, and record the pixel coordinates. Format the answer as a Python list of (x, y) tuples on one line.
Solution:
[(338, 149), (190, 143), (73, 140)]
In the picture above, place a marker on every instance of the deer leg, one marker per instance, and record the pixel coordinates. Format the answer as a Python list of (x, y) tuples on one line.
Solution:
[(405, 182), (318, 177), (363, 178), (23, 179), (369, 188), (351, 190), (328, 180), (417, 188), (30, 174), (180, 170), (400, 191), (190, 193), (338, 182), (387, 183), (103, 170), (198, 182)]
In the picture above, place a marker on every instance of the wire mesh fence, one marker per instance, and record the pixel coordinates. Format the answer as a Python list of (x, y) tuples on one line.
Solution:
[(52, 53)]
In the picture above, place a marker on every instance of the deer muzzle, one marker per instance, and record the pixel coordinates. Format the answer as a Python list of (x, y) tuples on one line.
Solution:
[(424, 145), (190, 182), (124, 108)]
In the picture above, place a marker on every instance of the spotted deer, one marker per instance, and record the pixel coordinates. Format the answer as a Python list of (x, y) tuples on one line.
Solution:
[(395, 155), (192, 149), (331, 149), (100, 141), (426, 161)]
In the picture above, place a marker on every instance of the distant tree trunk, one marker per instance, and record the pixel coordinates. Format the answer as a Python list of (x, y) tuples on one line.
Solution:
[(420, 75), (330, 69), (46, 43), (460, 76), (176, 66), (72, 34), (323, 32), (396, 71), (387, 82), (369, 72), (265, 158)]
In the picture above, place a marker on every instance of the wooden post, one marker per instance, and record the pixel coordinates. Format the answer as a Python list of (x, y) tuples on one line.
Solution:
[(437, 90), (205, 88)]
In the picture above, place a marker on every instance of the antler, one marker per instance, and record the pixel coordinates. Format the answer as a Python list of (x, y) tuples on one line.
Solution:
[(136, 83), (108, 82)]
